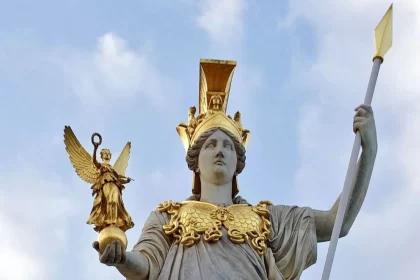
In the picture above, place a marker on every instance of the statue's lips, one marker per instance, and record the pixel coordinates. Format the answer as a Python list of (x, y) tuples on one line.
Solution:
[(219, 162)]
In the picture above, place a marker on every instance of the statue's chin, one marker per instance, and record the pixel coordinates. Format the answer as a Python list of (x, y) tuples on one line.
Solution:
[(220, 176), (219, 168), (219, 173)]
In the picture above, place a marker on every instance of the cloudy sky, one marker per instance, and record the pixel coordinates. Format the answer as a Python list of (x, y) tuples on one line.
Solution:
[(130, 72)]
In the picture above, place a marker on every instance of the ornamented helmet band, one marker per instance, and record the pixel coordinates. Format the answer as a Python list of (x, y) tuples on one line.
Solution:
[(214, 89)]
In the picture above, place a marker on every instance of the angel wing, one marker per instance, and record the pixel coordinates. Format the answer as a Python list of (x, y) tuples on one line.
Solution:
[(80, 159), (121, 163)]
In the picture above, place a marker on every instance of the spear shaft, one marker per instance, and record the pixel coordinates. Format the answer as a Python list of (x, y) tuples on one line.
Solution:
[(383, 42), (351, 172)]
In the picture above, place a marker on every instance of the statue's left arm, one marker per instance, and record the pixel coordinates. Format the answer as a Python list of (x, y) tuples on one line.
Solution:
[(324, 220)]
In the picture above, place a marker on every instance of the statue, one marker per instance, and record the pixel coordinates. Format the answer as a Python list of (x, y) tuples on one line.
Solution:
[(216, 234), (192, 121), (108, 214)]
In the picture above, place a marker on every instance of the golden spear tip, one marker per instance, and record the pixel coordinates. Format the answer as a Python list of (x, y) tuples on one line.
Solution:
[(383, 35)]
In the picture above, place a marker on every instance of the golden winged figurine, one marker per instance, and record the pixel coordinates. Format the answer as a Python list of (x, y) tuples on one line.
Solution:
[(108, 214)]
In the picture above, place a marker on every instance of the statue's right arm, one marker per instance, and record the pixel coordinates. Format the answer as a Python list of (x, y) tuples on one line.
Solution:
[(149, 253), (135, 266), (132, 265), (148, 256), (95, 162)]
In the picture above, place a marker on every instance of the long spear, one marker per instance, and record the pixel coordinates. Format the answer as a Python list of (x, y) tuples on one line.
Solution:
[(383, 42)]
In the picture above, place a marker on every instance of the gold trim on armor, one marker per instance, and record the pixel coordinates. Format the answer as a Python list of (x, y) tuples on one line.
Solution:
[(192, 220)]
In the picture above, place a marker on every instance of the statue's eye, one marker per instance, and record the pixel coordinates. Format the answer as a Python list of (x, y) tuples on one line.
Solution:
[(210, 145), (228, 145)]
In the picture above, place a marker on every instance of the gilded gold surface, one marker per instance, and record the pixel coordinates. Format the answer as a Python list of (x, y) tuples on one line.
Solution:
[(214, 89), (109, 234), (108, 214), (192, 220), (383, 34), (215, 79)]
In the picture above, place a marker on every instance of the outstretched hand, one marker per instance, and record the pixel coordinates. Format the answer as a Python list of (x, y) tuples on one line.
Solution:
[(113, 255)]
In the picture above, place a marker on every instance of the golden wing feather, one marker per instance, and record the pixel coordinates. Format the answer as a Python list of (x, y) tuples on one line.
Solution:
[(121, 163), (80, 159)]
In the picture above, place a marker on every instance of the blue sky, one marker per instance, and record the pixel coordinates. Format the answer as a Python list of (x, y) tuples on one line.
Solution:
[(130, 72)]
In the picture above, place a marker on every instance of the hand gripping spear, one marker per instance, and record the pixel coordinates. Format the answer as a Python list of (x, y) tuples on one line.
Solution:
[(383, 42)]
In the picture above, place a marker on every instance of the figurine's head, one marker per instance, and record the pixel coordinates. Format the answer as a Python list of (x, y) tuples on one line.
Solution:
[(106, 154), (218, 157)]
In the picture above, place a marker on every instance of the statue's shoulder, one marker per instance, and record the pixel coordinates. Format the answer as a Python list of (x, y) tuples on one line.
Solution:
[(247, 216), (187, 209), (168, 206), (264, 203)]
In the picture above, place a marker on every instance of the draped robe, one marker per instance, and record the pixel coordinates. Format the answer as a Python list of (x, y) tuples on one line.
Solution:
[(291, 249)]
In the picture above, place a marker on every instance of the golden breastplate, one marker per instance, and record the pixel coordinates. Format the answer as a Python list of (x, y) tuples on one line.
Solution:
[(191, 220)]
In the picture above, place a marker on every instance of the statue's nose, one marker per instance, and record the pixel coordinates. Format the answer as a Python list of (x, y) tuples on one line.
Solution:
[(219, 153)]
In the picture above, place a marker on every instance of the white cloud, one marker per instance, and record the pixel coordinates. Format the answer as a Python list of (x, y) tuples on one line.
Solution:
[(384, 232), (114, 71), (14, 255), (222, 19), (34, 218)]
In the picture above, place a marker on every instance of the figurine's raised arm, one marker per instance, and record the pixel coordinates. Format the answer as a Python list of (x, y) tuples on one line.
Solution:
[(363, 122), (95, 149)]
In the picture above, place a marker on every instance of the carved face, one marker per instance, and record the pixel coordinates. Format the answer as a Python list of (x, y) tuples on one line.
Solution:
[(217, 160), (216, 102), (105, 154), (222, 214)]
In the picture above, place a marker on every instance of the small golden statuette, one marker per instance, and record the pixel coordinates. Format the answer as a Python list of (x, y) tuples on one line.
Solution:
[(108, 214)]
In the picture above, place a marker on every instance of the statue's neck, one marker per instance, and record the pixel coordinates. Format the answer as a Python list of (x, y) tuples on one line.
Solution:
[(216, 194)]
